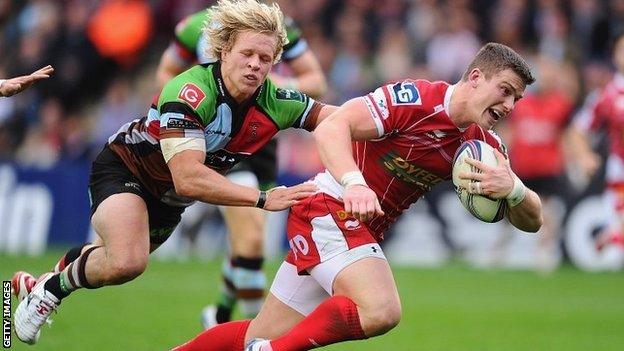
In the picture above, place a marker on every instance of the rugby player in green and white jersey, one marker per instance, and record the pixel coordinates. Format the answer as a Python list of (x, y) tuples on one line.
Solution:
[(243, 279), (204, 121)]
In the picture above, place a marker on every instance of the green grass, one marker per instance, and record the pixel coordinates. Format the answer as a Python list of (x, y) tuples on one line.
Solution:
[(451, 308)]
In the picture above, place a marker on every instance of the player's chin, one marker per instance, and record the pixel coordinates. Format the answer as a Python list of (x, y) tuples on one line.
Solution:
[(487, 122)]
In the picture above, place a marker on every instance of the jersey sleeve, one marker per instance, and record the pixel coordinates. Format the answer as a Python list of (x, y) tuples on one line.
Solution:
[(186, 105), (289, 108), (396, 106), (296, 45), (187, 36)]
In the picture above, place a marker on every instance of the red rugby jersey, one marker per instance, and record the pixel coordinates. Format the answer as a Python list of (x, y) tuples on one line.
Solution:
[(607, 110), (415, 149)]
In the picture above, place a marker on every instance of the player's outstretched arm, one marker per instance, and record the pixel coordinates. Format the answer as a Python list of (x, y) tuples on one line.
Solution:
[(282, 197), (193, 179), (352, 121), (15, 85)]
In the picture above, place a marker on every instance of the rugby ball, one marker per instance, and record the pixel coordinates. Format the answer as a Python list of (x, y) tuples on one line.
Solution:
[(482, 207)]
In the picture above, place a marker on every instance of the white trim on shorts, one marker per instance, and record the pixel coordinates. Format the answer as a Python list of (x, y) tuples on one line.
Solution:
[(305, 293)]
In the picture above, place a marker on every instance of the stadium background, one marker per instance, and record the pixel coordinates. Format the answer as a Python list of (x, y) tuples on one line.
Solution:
[(463, 287)]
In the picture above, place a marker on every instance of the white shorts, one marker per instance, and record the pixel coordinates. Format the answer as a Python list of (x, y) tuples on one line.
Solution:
[(304, 293)]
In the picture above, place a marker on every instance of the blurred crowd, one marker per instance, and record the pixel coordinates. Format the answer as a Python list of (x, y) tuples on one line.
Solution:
[(105, 55)]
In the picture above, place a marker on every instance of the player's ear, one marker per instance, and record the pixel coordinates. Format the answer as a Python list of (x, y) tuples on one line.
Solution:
[(474, 76)]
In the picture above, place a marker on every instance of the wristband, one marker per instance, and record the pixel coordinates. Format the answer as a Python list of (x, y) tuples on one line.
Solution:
[(261, 199), (517, 194), (352, 178)]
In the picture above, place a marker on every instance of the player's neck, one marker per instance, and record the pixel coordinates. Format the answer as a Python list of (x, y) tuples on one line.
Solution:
[(458, 106)]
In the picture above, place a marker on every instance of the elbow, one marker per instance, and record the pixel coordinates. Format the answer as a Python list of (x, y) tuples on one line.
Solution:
[(184, 186), (533, 226), (184, 189)]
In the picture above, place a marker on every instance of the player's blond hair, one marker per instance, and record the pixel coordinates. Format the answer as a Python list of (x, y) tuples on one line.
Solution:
[(228, 18)]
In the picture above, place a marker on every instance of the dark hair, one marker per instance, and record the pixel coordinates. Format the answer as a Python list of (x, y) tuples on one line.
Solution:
[(494, 58)]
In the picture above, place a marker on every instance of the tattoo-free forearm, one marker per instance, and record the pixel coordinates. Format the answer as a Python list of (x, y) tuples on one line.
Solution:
[(333, 138), (527, 215), (201, 183)]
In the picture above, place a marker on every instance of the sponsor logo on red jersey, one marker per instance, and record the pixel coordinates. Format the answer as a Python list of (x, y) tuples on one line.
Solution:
[(192, 94), (409, 172)]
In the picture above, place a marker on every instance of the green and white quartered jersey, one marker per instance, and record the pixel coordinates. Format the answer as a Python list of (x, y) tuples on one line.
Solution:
[(191, 46), (195, 104)]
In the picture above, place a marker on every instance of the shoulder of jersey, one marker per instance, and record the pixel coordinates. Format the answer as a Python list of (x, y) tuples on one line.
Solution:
[(418, 94), (194, 87), (282, 105)]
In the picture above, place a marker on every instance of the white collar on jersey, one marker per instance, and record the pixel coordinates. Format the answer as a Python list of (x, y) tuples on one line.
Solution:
[(447, 99), (447, 103)]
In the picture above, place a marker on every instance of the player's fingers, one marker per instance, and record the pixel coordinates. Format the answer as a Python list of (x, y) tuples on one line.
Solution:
[(363, 211), (476, 163), (305, 187), (347, 207), (36, 77), (370, 209), (472, 176), (44, 70), (303, 194), (355, 211), (475, 188), (378, 210)]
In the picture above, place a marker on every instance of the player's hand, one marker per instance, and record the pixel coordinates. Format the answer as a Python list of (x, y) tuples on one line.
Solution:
[(281, 198), (361, 202), (15, 85), (495, 182)]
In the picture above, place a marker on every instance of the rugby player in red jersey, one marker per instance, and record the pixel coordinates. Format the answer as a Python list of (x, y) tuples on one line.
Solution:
[(606, 110), (335, 284)]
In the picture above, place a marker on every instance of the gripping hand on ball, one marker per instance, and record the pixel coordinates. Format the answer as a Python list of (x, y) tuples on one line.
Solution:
[(495, 182)]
